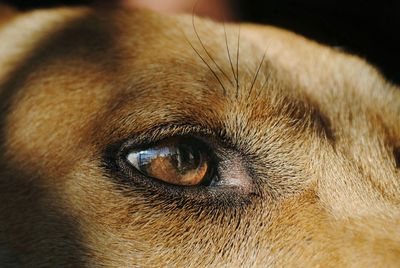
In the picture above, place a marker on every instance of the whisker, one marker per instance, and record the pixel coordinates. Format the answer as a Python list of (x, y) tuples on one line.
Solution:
[(257, 72), (267, 78), (206, 63), (229, 54), (237, 64), (207, 52)]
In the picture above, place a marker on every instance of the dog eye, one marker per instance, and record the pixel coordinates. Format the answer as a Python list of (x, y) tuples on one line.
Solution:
[(175, 161)]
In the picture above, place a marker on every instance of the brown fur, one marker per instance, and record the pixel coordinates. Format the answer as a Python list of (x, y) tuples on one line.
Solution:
[(318, 130)]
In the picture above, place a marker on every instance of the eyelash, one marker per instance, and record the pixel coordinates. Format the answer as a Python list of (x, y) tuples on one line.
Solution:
[(160, 133)]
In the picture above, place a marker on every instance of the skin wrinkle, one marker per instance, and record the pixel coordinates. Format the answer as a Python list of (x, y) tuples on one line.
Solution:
[(315, 145)]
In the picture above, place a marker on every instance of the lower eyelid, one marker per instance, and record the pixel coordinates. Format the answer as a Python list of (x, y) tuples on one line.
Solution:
[(222, 195)]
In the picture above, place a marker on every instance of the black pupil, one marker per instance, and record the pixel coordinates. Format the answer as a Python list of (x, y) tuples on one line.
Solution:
[(185, 158)]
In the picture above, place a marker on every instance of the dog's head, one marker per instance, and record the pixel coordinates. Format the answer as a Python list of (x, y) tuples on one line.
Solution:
[(136, 138)]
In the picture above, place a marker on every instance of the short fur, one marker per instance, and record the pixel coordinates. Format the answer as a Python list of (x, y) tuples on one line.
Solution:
[(317, 129)]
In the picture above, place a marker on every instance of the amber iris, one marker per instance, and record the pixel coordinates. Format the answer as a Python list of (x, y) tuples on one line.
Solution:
[(176, 161)]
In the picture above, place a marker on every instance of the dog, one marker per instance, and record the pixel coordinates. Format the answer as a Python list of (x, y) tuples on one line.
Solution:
[(130, 138)]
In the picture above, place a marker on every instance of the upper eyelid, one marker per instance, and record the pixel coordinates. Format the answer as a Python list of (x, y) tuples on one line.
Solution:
[(157, 134)]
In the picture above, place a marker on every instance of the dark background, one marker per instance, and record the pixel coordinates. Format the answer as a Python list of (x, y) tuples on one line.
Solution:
[(369, 29)]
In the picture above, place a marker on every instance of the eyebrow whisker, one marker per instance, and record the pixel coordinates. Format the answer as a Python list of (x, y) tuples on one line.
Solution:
[(266, 80), (237, 64), (206, 51), (257, 73), (229, 54), (207, 64)]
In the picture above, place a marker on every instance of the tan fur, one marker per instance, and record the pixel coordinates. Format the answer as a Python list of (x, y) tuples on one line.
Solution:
[(320, 137)]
